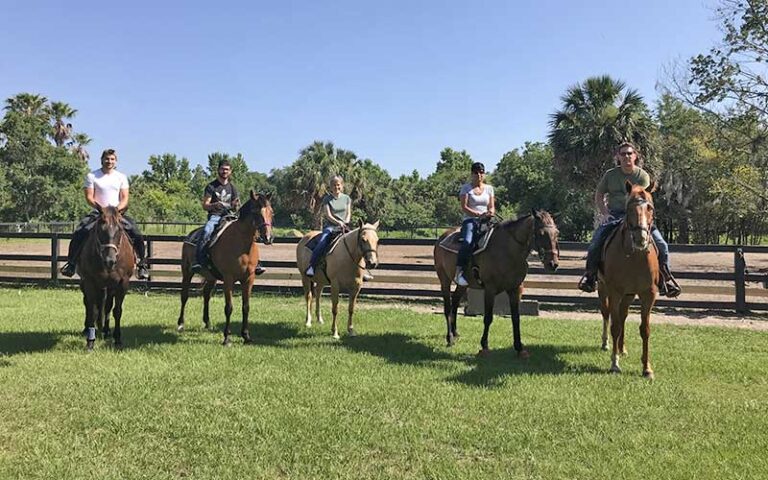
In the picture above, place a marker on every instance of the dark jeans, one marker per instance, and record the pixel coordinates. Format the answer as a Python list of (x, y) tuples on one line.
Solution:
[(467, 239), (210, 226), (87, 224), (602, 232), (322, 245)]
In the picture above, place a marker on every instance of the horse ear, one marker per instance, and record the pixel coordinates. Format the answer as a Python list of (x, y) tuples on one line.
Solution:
[(535, 213), (628, 185), (253, 196), (124, 209), (360, 223), (652, 187), (98, 208), (376, 225), (268, 196)]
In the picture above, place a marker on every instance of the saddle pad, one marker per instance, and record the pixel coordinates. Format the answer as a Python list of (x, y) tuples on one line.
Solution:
[(451, 242), (335, 237), (194, 237)]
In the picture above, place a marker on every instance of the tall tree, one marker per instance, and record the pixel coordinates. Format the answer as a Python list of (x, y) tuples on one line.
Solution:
[(595, 117), (62, 130), (81, 140), (29, 104)]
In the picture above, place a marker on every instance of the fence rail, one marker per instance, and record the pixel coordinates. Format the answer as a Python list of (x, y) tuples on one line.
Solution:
[(412, 285)]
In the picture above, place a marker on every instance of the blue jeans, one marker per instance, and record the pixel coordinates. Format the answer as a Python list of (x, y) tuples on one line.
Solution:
[(602, 232), (322, 245), (467, 237), (210, 225)]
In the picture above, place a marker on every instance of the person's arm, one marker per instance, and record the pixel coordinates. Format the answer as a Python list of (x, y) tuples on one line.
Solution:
[(235, 202), (348, 214), (123, 203), (491, 206), (602, 207), (207, 205), (90, 196)]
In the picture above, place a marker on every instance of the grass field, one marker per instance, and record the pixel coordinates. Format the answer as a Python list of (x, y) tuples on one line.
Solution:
[(390, 403)]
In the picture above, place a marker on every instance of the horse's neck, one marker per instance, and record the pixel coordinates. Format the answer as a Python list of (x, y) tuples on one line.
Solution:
[(522, 232), (241, 231), (351, 245), (515, 240)]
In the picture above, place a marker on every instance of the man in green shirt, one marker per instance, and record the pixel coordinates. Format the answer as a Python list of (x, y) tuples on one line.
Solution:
[(610, 200)]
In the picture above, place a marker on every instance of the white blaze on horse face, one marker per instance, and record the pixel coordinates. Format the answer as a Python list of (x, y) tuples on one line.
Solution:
[(370, 242)]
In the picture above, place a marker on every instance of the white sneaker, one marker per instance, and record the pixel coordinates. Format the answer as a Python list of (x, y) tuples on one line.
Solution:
[(460, 280), (310, 272)]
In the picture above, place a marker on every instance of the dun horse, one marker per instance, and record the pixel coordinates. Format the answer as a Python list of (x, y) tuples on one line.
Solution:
[(105, 267), (503, 266), (343, 270), (235, 256), (630, 267)]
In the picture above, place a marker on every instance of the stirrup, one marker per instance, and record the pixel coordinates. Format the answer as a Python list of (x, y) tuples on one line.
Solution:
[(310, 272), (588, 282), (460, 280), (259, 269), (668, 286)]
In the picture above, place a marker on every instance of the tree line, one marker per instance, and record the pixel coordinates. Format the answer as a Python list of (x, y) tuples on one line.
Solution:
[(704, 140)]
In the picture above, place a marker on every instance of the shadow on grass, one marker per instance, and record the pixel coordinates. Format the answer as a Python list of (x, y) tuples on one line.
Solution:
[(267, 334), (395, 348)]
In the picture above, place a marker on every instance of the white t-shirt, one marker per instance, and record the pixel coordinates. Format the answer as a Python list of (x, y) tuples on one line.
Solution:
[(106, 188), (476, 202)]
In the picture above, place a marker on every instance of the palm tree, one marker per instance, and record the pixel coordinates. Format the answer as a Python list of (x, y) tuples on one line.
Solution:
[(596, 116), (30, 104), (78, 148), (62, 131)]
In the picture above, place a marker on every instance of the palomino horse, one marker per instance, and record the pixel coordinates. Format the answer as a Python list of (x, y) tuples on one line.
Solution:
[(105, 266), (630, 267), (343, 270), (235, 256), (502, 268)]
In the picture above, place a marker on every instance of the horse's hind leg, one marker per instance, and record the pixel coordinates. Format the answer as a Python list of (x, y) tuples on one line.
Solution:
[(335, 309), (514, 305), (306, 284), (107, 310), (351, 310), (318, 292), (456, 297), (102, 309), (228, 286), (186, 279), (207, 290), (445, 289), (605, 311), (119, 296)]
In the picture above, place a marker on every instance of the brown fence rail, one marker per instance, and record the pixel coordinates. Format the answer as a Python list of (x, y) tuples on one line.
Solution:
[(24, 270)]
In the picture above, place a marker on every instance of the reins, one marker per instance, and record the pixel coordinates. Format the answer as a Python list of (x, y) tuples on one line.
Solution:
[(359, 245)]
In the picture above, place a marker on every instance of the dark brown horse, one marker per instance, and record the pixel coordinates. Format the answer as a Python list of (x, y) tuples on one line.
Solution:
[(235, 255), (105, 266), (630, 267), (502, 266)]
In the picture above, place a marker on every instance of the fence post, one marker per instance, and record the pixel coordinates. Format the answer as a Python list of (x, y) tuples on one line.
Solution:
[(740, 267), (55, 258), (149, 262)]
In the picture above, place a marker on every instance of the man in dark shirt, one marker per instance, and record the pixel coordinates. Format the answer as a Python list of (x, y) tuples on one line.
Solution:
[(220, 197)]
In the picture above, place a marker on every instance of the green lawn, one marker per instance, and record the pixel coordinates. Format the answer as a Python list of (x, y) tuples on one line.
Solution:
[(393, 402)]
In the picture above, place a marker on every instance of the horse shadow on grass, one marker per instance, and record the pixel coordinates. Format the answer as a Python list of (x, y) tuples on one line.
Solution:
[(489, 371), (262, 334)]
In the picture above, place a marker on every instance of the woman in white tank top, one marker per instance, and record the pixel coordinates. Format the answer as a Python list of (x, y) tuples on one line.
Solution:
[(477, 202)]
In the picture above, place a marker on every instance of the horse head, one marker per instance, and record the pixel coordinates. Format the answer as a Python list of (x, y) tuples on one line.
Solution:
[(545, 239), (109, 235), (258, 211), (639, 218), (368, 243)]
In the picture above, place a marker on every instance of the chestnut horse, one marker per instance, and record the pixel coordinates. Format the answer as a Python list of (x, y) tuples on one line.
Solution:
[(235, 256), (630, 267), (356, 250), (503, 266), (105, 266)]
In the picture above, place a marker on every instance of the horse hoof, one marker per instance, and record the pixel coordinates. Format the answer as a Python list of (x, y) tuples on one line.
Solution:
[(351, 332), (247, 341), (648, 374), (524, 354), (484, 352), (180, 328), (604, 347), (336, 336), (615, 369), (89, 345), (308, 324), (624, 353), (227, 343), (118, 346)]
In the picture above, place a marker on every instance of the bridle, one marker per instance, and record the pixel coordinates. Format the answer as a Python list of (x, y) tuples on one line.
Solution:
[(544, 251), (638, 228), (360, 245), (101, 247)]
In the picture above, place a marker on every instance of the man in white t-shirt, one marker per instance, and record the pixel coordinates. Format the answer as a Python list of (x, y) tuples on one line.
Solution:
[(105, 187)]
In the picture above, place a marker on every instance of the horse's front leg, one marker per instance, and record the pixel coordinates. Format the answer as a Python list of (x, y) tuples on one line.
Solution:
[(456, 297), (487, 320), (351, 309), (318, 291), (616, 302), (306, 284), (119, 296), (92, 299), (605, 311), (515, 295), (186, 279), (107, 310), (228, 287), (102, 309), (335, 309), (246, 288), (445, 289), (207, 291), (648, 300)]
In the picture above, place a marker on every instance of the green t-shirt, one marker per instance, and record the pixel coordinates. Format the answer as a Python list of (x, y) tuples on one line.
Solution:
[(612, 184), (339, 207)]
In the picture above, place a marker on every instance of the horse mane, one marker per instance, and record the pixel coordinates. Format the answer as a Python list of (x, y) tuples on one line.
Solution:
[(545, 217), (111, 215)]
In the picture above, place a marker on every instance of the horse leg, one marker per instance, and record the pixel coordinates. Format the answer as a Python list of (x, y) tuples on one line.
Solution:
[(246, 288), (228, 286), (627, 301), (119, 296), (207, 290), (515, 295), (458, 294), (186, 279), (445, 289), (318, 290), (306, 283), (487, 320), (92, 302), (102, 310), (645, 331), (605, 311), (616, 330), (335, 309), (351, 310), (107, 310)]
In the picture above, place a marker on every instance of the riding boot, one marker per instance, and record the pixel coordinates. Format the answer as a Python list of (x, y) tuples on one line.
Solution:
[(588, 282), (143, 269), (668, 286), (459, 279)]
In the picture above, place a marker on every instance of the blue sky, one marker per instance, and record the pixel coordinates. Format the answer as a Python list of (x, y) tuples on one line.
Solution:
[(393, 81)]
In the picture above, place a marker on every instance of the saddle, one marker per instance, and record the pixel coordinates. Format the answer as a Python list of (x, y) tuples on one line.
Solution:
[(452, 242), (336, 237), (194, 237)]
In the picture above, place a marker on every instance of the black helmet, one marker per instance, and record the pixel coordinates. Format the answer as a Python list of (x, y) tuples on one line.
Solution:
[(478, 167)]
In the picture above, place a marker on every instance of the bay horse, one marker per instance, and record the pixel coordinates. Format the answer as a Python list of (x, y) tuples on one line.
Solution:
[(344, 265), (105, 266), (630, 267), (235, 256), (503, 266)]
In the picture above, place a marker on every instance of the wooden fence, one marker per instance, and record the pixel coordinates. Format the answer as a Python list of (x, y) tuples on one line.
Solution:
[(410, 279)]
